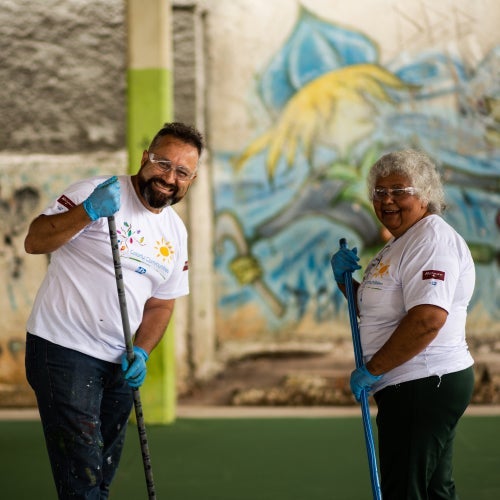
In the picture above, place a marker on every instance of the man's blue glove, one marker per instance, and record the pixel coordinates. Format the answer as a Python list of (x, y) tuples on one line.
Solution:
[(104, 201), (361, 379), (342, 261), (136, 372)]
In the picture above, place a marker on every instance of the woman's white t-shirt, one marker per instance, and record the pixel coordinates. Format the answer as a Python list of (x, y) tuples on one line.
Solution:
[(429, 264), (77, 305)]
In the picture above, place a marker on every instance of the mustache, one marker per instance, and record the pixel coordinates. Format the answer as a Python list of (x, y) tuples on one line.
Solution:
[(161, 182), (156, 182)]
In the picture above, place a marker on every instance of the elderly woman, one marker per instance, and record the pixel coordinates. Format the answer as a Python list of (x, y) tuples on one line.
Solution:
[(412, 306)]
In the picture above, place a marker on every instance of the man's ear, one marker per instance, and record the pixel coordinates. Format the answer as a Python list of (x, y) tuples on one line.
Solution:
[(145, 158)]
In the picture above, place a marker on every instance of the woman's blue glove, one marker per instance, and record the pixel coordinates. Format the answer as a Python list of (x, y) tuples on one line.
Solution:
[(361, 379), (104, 201), (342, 261), (135, 373)]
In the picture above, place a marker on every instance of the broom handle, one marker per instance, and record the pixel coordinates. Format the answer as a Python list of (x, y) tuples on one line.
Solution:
[(146, 459)]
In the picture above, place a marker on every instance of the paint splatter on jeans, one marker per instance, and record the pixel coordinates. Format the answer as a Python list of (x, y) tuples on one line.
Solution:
[(84, 405)]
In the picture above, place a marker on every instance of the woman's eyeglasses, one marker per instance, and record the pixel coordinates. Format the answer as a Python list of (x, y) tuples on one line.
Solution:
[(379, 193)]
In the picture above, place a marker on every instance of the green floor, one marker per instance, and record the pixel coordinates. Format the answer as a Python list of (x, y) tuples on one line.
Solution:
[(248, 459)]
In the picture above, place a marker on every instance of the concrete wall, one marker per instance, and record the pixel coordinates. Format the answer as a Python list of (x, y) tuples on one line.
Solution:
[(63, 76), (296, 99)]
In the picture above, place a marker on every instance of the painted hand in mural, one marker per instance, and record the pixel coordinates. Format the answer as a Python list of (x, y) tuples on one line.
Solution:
[(321, 112)]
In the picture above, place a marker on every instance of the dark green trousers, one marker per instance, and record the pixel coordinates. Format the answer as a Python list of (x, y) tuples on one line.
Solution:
[(416, 424)]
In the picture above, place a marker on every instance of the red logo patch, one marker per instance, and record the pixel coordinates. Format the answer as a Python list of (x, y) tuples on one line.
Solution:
[(66, 202), (433, 275), (186, 266)]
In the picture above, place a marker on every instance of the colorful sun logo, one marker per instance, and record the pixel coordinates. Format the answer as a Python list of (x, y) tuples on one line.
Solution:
[(381, 270), (165, 250)]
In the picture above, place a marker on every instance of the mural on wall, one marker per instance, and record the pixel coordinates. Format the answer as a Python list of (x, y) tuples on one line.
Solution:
[(15, 214), (333, 108)]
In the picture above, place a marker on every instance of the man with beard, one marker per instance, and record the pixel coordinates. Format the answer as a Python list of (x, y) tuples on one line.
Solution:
[(75, 349)]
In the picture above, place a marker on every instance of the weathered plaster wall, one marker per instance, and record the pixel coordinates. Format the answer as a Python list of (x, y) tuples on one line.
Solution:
[(63, 76)]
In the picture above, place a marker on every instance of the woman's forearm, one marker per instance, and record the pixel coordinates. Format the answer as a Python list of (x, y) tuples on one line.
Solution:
[(415, 332)]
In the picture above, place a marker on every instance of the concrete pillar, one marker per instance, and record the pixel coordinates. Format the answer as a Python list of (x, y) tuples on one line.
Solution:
[(149, 106), (199, 346)]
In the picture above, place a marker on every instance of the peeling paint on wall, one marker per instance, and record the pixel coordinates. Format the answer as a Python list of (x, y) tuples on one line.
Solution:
[(15, 213)]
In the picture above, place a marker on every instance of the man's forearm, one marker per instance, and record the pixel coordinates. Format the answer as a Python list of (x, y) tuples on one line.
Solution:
[(49, 232), (157, 314)]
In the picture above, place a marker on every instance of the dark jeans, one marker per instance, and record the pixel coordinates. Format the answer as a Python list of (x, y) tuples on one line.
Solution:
[(416, 424), (84, 406)]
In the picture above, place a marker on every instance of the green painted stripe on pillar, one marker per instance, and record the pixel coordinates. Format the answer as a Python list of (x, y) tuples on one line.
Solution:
[(159, 393), (149, 95)]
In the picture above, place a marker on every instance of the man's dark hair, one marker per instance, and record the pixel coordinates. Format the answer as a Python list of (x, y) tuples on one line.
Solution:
[(185, 133)]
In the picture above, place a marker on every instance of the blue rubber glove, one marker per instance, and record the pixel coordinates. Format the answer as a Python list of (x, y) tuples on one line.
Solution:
[(135, 373), (104, 201), (361, 379), (342, 261)]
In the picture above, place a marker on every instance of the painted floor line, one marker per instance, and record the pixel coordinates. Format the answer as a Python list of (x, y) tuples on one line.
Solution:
[(298, 411), (255, 412)]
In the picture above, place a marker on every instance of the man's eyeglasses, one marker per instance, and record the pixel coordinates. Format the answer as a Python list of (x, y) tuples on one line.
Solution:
[(180, 172), (379, 193)]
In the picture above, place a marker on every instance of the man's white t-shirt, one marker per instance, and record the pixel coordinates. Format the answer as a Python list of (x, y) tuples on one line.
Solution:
[(429, 264), (77, 305)]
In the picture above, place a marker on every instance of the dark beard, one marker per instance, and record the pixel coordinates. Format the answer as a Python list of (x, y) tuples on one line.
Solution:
[(154, 198)]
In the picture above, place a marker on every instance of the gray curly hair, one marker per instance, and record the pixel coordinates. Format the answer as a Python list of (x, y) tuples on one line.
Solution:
[(419, 169)]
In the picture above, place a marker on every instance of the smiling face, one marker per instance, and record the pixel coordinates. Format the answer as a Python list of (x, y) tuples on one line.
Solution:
[(398, 214), (156, 188)]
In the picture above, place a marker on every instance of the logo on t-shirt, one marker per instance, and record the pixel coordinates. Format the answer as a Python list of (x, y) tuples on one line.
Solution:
[(432, 274), (128, 237), (381, 269), (66, 202), (165, 250), (159, 257)]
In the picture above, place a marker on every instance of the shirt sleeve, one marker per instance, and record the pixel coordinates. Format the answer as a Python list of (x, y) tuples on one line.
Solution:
[(429, 274), (73, 195)]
